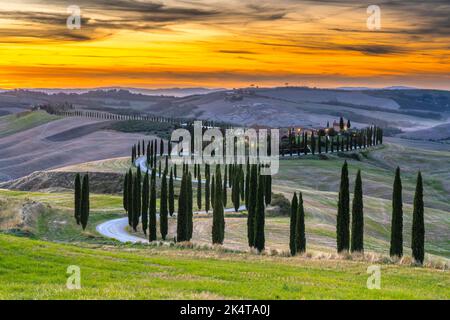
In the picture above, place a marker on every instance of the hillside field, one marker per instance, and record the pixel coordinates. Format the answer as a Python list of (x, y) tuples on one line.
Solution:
[(33, 269)]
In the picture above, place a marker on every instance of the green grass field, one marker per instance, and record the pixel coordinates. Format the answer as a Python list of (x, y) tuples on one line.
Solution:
[(15, 123), (33, 269)]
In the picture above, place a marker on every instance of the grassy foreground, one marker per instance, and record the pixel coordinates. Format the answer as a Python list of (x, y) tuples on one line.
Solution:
[(33, 269)]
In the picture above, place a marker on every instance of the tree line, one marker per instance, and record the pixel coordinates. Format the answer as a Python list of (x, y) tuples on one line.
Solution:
[(324, 141)]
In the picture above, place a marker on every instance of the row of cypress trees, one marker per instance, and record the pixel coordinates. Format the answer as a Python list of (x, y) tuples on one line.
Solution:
[(256, 204), (354, 241), (81, 199), (418, 224), (139, 201), (322, 142)]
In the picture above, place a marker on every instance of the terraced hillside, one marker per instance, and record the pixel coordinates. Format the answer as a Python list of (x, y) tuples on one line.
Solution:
[(39, 141)]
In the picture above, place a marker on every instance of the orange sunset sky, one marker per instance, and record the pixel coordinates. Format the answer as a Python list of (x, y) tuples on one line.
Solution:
[(224, 43)]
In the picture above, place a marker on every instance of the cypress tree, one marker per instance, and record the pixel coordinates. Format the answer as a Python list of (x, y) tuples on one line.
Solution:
[(235, 192), (155, 154), (241, 182), (397, 218), (125, 192), (161, 147), (189, 203), (313, 143), (195, 171), (77, 199), (293, 225), (148, 154), (300, 237), (145, 202), (199, 190), (252, 206), (163, 212), (357, 244), (247, 183), (225, 176), (218, 227), (166, 166), (225, 183), (230, 175), (152, 209), (151, 154), (343, 215), (181, 215), (213, 191), (319, 143), (418, 227), (130, 198), (268, 189), (137, 199), (171, 195), (207, 190), (159, 168), (260, 216), (85, 205)]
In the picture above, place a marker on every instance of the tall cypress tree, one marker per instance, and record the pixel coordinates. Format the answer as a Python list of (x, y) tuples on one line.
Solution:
[(163, 212), (213, 191), (85, 205), (77, 199), (138, 200), (293, 225), (241, 182), (181, 215), (418, 226), (171, 195), (199, 189), (235, 192), (260, 216), (357, 244), (218, 227), (247, 183), (268, 189), (125, 191), (207, 189), (253, 183), (224, 192), (300, 237), (130, 197), (152, 209), (343, 215), (189, 204), (397, 218), (145, 202)]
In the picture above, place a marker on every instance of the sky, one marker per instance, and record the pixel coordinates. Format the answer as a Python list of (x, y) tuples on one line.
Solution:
[(224, 43)]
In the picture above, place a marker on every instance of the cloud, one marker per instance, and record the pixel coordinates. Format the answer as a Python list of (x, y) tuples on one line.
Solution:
[(372, 49), (236, 52)]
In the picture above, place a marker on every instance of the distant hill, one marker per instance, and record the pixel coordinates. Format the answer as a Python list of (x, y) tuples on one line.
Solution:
[(174, 92), (400, 109)]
